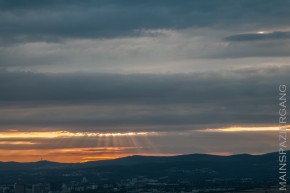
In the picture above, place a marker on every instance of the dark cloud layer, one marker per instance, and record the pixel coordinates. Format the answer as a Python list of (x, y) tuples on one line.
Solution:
[(57, 20), (260, 36), (140, 88), (161, 101)]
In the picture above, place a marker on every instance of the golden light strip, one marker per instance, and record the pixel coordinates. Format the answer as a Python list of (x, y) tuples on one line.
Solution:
[(17, 143), (57, 134), (243, 129)]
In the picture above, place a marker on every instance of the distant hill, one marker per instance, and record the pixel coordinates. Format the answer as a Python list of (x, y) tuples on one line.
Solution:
[(138, 159), (198, 169)]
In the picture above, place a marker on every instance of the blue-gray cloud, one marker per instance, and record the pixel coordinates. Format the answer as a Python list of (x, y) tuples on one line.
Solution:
[(57, 20), (139, 101), (278, 35)]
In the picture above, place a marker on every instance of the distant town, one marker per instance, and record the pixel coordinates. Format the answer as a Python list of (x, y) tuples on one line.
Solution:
[(195, 173), (140, 184)]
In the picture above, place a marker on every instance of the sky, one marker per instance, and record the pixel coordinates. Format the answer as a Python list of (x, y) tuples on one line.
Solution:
[(101, 79)]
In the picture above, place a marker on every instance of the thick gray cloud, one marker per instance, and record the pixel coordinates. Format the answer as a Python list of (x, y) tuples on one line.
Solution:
[(140, 36), (258, 44), (140, 101), (153, 88), (58, 20)]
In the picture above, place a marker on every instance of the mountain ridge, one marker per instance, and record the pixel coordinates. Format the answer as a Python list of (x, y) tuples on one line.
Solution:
[(139, 159)]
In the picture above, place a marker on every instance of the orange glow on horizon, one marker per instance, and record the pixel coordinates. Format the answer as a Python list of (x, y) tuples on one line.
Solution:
[(74, 147), (69, 147), (72, 155), (17, 143)]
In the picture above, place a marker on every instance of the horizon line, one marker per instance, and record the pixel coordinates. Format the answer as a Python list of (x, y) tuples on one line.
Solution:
[(140, 155)]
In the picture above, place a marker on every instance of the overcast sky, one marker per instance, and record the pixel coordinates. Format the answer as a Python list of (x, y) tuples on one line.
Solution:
[(171, 69)]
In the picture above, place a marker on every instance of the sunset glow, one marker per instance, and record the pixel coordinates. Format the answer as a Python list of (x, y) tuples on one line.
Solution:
[(244, 129), (55, 134), (66, 146)]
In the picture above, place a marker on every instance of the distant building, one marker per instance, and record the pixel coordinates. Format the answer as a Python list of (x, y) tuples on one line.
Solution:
[(65, 189), (40, 188), (84, 180), (19, 188), (5, 189)]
